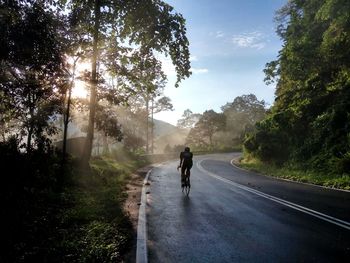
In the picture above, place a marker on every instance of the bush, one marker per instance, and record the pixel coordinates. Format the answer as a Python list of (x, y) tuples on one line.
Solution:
[(31, 196), (268, 143)]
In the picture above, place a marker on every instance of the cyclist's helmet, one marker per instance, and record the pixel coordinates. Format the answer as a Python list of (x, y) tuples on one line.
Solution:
[(187, 149)]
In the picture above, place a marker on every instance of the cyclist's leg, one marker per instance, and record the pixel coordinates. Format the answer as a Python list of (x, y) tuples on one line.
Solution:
[(188, 173), (183, 169)]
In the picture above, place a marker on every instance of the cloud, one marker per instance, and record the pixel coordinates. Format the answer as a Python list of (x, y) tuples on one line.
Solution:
[(219, 34), (199, 70), (249, 40), (169, 68), (193, 58)]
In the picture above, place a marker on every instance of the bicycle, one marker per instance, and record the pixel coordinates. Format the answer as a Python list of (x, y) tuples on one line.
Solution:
[(186, 187), (185, 183)]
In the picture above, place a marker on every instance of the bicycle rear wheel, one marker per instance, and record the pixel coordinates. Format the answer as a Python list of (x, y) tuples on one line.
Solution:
[(186, 189)]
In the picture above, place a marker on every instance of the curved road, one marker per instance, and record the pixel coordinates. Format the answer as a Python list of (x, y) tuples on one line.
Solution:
[(233, 215)]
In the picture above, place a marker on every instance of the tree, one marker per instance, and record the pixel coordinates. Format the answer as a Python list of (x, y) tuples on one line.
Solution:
[(132, 118), (67, 105), (204, 130), (242, 114), (30, 68), (149, 25), (310, 113), (188, 120), (108, 124), (162, 104), (167, 149)]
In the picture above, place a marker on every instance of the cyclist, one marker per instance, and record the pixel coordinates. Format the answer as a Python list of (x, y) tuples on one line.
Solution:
[(185, 165)]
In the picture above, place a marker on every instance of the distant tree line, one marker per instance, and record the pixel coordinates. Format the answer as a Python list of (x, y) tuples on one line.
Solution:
[(308, 125), (222, 130)]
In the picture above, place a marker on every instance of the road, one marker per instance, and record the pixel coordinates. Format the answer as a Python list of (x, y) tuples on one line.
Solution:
[(232, 215)]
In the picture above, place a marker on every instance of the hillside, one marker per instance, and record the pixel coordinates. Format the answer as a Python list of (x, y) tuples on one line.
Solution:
[(162, 128), (166, 133)]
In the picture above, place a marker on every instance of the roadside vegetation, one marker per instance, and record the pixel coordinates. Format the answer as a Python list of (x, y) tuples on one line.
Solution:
[(293, 173), (306, 134), (56, 208), (96, 226), (75, 215)]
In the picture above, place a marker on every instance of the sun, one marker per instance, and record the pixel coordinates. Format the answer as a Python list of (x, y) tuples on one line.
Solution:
[(79, 89)]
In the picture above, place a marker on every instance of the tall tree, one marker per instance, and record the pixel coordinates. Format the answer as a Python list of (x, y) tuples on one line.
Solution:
[(30, 68), (152, 25)]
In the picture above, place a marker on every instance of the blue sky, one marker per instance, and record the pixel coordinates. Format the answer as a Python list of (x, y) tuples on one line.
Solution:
[(230, 43)]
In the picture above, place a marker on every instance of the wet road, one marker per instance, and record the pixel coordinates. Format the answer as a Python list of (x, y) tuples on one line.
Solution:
[(236, 216)]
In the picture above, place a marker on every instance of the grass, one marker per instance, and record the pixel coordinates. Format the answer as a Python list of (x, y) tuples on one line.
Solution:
[(94, 225), (296, 174)]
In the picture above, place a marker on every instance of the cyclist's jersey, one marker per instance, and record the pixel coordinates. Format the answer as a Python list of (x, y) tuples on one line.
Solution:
[(186, 159)]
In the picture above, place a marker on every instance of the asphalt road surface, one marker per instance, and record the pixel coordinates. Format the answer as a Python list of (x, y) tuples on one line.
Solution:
[(232, 215)]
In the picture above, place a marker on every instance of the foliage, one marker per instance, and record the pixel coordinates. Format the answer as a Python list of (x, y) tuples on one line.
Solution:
[(63, 217), (31, 202), (226, 130), (132, 120), (241, 116), (311, 113), (188, 120), (162, 104), (123, 37), (30, 68), (95, 225), (202, 134), (107, 123), (296, 173)]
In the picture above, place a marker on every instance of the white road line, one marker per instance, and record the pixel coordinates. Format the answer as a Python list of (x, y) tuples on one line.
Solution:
[(300, 208), (141, 249), (235, 166)]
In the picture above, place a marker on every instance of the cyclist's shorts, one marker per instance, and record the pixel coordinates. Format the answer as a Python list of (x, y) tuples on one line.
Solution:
[(185, 169)]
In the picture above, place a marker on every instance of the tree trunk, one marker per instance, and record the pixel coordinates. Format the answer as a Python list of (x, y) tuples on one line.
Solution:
[(31, 125), (67, 114), (93, 91), (152, 128), (29, 139), (211, 141), (147, 124), (105, 144)]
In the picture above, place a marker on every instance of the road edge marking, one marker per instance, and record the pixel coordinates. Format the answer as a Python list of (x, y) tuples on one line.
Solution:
[(288, 180), (141, 246), (330, 219)]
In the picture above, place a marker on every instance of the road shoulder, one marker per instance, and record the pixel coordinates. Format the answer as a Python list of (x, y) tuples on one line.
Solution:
[(132, 205)]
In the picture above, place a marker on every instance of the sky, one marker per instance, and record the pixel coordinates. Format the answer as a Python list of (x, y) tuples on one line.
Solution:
[(230, 43)]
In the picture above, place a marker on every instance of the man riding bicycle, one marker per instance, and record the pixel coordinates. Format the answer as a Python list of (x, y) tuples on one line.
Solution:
[(185, 165)]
